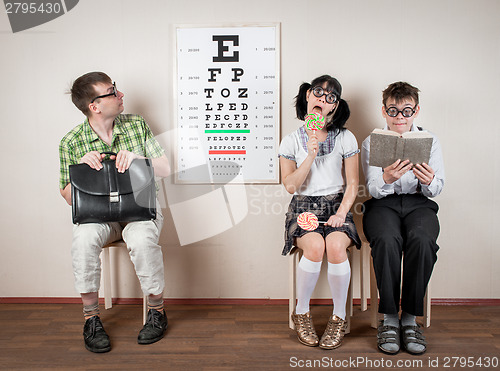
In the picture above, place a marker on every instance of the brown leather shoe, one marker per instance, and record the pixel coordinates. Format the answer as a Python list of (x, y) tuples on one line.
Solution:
[(305, 329), (334, 333)]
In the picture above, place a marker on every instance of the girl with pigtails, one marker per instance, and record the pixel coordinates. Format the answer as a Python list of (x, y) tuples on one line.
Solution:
[(319, 166)]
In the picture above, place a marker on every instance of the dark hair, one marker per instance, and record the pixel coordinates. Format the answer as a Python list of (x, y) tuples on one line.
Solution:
[(400, 91), (83, 89), (335, 119)]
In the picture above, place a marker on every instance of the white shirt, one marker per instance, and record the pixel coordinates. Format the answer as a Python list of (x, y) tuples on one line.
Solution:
[(408, 183), (326, 176)]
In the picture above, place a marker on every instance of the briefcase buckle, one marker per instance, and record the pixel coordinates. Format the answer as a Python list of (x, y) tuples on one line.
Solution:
[(113, 197)]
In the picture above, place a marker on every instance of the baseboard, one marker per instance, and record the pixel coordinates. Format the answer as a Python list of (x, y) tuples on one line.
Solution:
[(229, 301)]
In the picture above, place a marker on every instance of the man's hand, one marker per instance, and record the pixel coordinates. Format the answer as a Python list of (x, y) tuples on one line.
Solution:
[(124, 159), (424, 173), (396, 170), (93, 159)]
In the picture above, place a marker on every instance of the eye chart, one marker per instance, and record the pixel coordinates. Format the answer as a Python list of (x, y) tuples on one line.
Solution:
[(228, 104)]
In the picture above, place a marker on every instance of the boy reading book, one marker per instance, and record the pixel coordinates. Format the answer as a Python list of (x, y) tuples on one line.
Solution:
[(400, 223)]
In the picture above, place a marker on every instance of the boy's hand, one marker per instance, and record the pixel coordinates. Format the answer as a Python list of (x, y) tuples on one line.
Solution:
[(424, 173), (396, 170)]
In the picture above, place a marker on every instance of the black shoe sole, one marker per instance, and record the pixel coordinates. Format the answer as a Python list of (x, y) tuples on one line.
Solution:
[(98, 350), (151, 341)]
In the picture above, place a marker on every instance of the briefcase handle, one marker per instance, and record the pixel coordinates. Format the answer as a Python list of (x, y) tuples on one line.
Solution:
[(108, 153)]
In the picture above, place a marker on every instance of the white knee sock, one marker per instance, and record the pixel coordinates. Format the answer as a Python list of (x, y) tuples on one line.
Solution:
[(339, 276), (307, 277)]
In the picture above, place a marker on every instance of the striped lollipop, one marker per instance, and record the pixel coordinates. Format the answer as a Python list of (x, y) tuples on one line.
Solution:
[(308, 221), (314, 121)]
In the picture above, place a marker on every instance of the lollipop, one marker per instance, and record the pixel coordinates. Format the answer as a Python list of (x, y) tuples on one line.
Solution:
[(308, 221), (314, 121)]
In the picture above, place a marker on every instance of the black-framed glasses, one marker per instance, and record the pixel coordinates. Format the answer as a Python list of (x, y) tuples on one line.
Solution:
[(406, 112), (318, 92), (115, 93)]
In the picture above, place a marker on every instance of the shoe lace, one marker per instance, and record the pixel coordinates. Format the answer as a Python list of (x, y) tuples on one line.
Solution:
[(154, 318), (95, 326)]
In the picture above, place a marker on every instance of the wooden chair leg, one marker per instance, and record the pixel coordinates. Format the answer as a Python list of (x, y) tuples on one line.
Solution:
[(144, 309), (373, 296), (348, 304), (106, 277), (292, 276), (427, 306), (363, 276)]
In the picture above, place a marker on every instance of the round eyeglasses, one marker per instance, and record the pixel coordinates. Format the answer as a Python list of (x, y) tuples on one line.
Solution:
[(406, 112), (318, 92), (115, 93)]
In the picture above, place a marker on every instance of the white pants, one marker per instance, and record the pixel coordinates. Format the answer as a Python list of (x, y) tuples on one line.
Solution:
[(142, 243)]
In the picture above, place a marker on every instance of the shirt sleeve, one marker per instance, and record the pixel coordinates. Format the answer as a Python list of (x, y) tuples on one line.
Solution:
[(66, 158), (349, 144), (374, 174), (437, 164), (287, 148), (152, 148)]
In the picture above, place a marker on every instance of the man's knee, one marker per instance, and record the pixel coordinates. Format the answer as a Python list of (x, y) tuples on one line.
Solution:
[(141, 234)]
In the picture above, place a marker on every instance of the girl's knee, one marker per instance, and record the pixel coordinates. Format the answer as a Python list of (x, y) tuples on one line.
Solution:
[(314, 251)]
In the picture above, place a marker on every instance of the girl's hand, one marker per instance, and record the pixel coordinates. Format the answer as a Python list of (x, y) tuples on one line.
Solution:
[(312, 145), (336, 220)]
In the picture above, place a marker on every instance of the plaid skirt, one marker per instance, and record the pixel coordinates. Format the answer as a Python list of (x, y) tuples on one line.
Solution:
[(323, 207)]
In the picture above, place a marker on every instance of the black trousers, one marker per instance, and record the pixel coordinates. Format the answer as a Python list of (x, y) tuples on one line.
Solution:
[(402, 228)]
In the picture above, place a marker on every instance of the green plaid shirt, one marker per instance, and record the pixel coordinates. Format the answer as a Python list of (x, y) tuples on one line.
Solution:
[(130, 133)]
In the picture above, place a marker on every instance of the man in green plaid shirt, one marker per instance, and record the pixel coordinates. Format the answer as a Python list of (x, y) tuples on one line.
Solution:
[(106, 129)]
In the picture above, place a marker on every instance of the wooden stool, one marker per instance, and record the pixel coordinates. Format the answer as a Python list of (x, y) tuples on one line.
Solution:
[(106, 277)]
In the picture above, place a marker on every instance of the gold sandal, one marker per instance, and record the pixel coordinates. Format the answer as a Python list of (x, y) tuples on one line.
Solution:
[(334, 333), (305, 329)]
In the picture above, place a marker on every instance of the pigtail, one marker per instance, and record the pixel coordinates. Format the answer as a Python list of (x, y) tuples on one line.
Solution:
[(301, 101), (340, 116)]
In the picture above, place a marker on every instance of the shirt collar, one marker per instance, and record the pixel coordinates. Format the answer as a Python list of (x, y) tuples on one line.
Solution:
[(117, 129)]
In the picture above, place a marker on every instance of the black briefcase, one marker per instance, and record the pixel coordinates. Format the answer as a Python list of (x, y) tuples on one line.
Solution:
[(109, 196)]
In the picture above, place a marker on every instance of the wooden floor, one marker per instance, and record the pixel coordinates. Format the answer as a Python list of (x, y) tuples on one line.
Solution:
[(227, 337)]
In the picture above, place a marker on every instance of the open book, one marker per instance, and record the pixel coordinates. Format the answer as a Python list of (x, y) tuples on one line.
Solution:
[(387, 146)]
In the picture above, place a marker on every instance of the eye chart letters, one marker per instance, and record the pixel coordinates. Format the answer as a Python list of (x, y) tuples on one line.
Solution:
[(228, 104)]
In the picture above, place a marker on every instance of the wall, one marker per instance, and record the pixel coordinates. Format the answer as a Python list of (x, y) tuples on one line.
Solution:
[(449, 49)]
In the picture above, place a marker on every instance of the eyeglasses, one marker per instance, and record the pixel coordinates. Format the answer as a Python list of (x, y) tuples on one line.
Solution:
[(115, 93), (406, 112), (318, 92)]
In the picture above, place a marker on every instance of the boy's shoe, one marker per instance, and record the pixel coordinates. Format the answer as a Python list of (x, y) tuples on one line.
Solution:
[(154, 328), (388, 338), (96, 339), (413, 340)]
